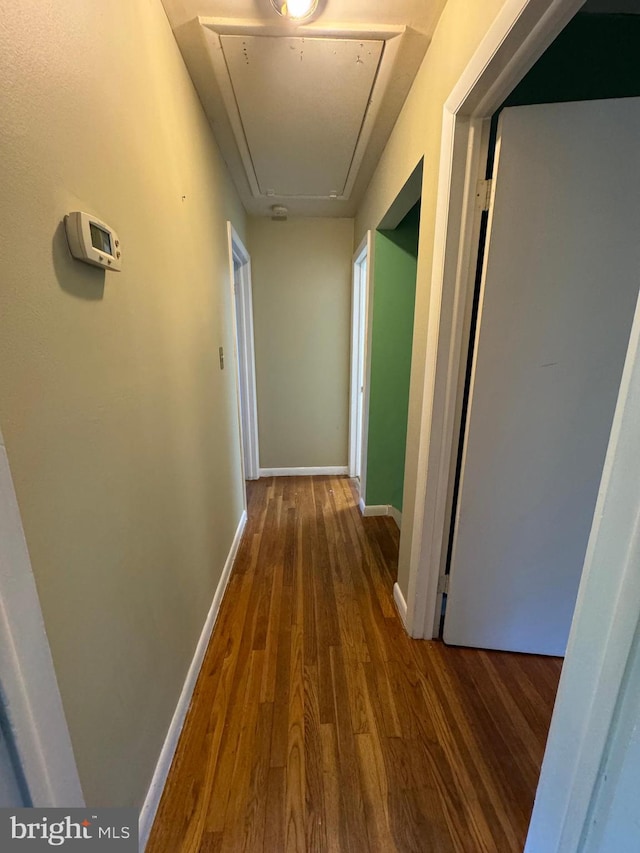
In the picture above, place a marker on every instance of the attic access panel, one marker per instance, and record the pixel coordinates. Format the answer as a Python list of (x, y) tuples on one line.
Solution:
[(302, 103)]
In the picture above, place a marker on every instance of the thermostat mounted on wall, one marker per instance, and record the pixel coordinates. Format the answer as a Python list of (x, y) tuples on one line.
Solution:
[(93, 241)]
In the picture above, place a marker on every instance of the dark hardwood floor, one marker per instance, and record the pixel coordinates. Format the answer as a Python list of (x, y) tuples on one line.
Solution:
[(318, 725)]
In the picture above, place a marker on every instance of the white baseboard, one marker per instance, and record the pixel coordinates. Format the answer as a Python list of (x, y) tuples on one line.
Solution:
[(334, 470), (381, 509), (368, 510), (401, 604), (152, 800)]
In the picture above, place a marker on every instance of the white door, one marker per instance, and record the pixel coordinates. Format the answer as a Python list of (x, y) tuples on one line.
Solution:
[(561, 278)]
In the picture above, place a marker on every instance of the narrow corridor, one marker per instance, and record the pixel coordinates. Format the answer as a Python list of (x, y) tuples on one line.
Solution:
[(318, 725)]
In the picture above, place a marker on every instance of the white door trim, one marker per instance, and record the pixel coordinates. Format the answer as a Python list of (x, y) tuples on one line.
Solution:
[(356, 283), (359, 257), (244, 347), (27, 677), (365, 249)]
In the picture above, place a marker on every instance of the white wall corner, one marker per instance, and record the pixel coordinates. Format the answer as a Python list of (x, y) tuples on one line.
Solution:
[(154, 794), (396, 515), (401, 605)]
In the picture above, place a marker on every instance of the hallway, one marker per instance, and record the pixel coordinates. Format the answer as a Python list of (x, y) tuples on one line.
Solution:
[(317, 724)]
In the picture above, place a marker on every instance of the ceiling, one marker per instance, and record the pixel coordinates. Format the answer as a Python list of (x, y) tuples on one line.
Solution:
[(302, 114)]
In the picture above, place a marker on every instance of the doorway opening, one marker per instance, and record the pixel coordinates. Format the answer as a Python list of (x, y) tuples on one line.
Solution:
[(468, 113), (587, 36), (394, 292), (242, 308), (385, 268)]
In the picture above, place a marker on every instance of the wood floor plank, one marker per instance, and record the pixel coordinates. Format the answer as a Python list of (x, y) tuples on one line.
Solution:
[(268, 687), (351, 792), (280, 727), (244, 802), (374, 793), (257, 795), (229, 755), (316, 824), (275, 809), (318, 725), (337, 832), (295, 810)]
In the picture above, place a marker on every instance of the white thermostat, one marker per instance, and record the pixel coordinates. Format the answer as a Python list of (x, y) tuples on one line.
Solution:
[(93, 241)]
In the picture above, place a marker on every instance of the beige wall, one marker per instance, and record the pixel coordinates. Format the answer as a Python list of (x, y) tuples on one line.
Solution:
[(301, 273), (121, 429), (417, 134)]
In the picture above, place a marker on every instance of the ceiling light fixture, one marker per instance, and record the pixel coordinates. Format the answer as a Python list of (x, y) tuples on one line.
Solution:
[(295, 10)]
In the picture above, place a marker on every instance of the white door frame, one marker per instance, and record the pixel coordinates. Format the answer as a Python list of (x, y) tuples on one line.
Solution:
[(361, 302), (357, 358), (607, 607), (361, 309), (244, 349), (28, 681)]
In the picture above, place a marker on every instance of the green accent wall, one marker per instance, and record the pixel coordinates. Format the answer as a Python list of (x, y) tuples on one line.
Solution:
[(394, 293)]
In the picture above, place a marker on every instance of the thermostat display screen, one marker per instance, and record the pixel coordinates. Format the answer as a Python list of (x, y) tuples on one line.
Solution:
[(100, 239)]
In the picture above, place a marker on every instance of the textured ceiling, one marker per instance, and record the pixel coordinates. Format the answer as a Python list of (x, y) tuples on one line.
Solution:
[(302, 114)]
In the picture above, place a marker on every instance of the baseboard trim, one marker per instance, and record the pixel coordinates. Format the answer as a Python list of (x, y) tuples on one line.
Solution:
[(152, 800), (369, 510), (331, 470), (401, 605)]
